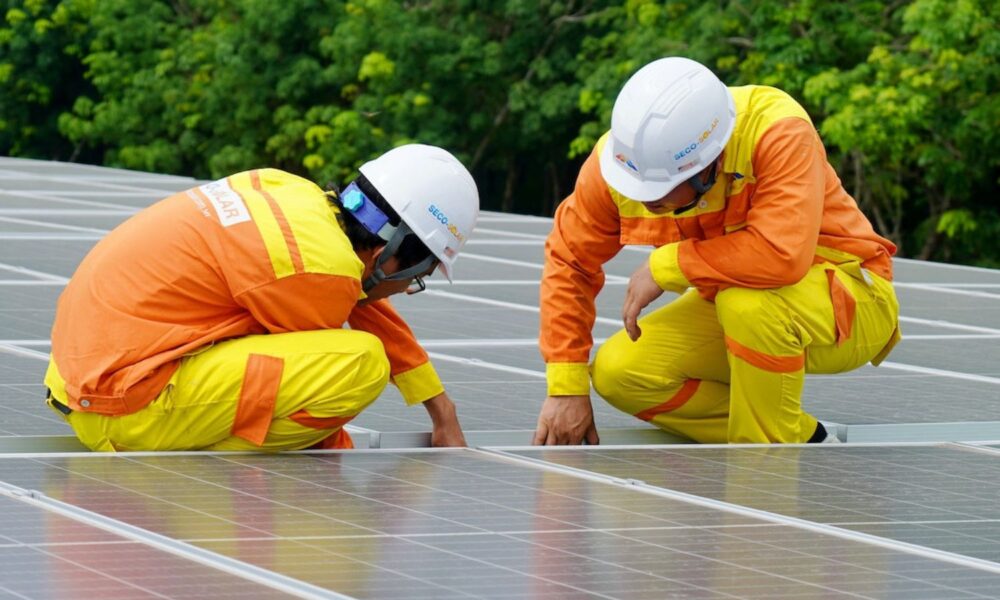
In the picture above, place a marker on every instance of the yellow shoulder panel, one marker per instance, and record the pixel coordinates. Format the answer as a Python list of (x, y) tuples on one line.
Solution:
[(266, 222), (757, 108), (313, 220)]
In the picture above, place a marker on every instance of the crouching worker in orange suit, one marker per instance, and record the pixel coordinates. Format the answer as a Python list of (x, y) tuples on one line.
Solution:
[(214, 319), (780, 273)]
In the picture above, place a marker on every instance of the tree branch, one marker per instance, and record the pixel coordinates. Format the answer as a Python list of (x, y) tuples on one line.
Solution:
[(934, 237), (742, 42), (510, 183), (501, 116), (553, 175)]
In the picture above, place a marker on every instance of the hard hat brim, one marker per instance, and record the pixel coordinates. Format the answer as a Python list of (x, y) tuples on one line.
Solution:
[(618, 177), (445, 269)]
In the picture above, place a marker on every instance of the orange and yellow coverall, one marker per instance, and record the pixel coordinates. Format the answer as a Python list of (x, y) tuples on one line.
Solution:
[(788, 275), (214, 320)]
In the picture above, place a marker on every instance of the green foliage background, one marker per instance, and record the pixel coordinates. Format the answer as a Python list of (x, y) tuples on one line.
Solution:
[(905, 93)]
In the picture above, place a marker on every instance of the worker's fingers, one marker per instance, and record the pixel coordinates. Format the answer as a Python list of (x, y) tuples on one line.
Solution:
[(630, 317), (633, 329), (541, 434), (560, 437), (592, 437), (642, 290)]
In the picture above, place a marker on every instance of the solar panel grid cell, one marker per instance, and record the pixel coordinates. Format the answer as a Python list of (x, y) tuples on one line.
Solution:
[(461, 524)]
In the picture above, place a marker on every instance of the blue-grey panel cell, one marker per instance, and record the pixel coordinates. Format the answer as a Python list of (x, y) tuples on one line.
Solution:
[(9, 227), (975, 357), (339, 495), (510, 247), (881, 395), (971, 306), (495, 225), (45, 555), (487, 399), (26, 311), (460, 523), (932, 496), (931, 329), (12, 277), (26, 200), (919, 271), (755, 562), (60, 222), (22, 408), (19, 298), (58, 259), (493, 250), (434, 317)]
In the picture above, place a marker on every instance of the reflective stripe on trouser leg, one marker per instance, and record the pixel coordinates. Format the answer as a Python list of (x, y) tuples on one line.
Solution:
[(776, 336), (766, 337), (675, 376), (325, 374)]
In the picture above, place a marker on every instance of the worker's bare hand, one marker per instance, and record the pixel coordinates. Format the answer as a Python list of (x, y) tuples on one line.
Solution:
[(448, 435), (447, 431), (566, 420), (642, 290)]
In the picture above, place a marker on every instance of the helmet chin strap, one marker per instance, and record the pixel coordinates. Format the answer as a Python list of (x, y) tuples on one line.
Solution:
[(700, 187), (392, 246)]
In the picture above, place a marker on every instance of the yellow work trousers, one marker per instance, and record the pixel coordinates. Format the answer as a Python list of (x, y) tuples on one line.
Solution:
[(265, 392), (733, 371)]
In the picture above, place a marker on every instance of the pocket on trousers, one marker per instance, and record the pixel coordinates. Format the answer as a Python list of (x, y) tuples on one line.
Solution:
[(258, 396)]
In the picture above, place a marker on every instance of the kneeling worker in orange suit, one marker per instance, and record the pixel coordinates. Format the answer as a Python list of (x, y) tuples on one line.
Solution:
[(213, 320), (786, 275)]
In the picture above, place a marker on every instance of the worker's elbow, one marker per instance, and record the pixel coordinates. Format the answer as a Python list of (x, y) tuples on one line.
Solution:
[(781, 267), (793, 269)]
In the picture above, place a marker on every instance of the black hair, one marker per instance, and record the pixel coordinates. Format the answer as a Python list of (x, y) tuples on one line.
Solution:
[(411, 252)]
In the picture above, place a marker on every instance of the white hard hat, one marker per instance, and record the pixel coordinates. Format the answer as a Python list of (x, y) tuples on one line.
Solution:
[(432, 192), (670, 121)]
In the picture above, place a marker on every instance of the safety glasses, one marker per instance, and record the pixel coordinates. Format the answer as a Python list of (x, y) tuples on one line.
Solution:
[(417, 286), (415, 275)]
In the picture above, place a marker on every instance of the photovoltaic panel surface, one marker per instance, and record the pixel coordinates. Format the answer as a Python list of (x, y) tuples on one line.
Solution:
[(942, 497), (689, 522), (45, 555), (463, 523), (482, 330)]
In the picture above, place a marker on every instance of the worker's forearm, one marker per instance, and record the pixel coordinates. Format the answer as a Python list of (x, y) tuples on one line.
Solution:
[(447, 430), (440, 408)]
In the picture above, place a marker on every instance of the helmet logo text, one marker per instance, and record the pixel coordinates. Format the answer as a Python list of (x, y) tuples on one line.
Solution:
[(701, 139), (443, 219)]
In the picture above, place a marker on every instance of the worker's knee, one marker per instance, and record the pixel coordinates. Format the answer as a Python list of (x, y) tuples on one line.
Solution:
[(372, 374), (610, 373), (343, 367)]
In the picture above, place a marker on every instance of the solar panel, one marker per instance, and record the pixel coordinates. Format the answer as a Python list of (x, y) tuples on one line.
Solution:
[(640, 521), (441, 524), (44, 555), (942, 497)]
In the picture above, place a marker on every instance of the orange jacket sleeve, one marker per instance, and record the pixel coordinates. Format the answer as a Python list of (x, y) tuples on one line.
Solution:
[(777, 246), (410, 367), (585, 235), (302, 302)]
